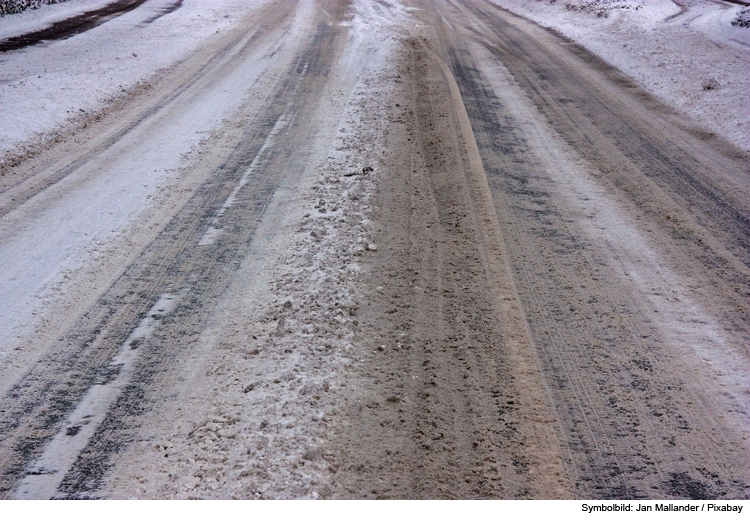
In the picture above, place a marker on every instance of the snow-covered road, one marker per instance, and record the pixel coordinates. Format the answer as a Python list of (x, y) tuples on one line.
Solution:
[(374, 249)]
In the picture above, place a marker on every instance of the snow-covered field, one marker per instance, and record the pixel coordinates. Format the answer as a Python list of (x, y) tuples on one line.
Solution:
[(687, 52)]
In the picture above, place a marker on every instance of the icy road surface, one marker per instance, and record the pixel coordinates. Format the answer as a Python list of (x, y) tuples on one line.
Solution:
[(334, 249)]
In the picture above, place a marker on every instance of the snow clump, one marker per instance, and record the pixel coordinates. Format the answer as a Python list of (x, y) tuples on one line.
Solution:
[(742, 19)]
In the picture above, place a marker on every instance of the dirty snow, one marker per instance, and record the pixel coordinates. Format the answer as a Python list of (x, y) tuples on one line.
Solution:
[(110, 201), (686, 53), (44, 16), (273, 358), (46, 87), (271, 396)]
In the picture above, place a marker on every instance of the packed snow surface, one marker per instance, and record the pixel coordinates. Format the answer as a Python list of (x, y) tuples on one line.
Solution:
[(46, 87), (686, 53), (273, 356)]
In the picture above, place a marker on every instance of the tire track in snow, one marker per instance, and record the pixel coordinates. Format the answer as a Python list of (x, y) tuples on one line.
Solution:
[(18, 193), (634, 423), (36, 408)]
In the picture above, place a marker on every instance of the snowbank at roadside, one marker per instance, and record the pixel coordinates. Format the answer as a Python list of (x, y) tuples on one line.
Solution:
[(49, 86), (686, 53), (44, 16)]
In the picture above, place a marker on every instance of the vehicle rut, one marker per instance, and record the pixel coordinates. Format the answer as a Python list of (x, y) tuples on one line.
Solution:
[(452, 404), (181, 261), (634, 426), (17, 189)]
